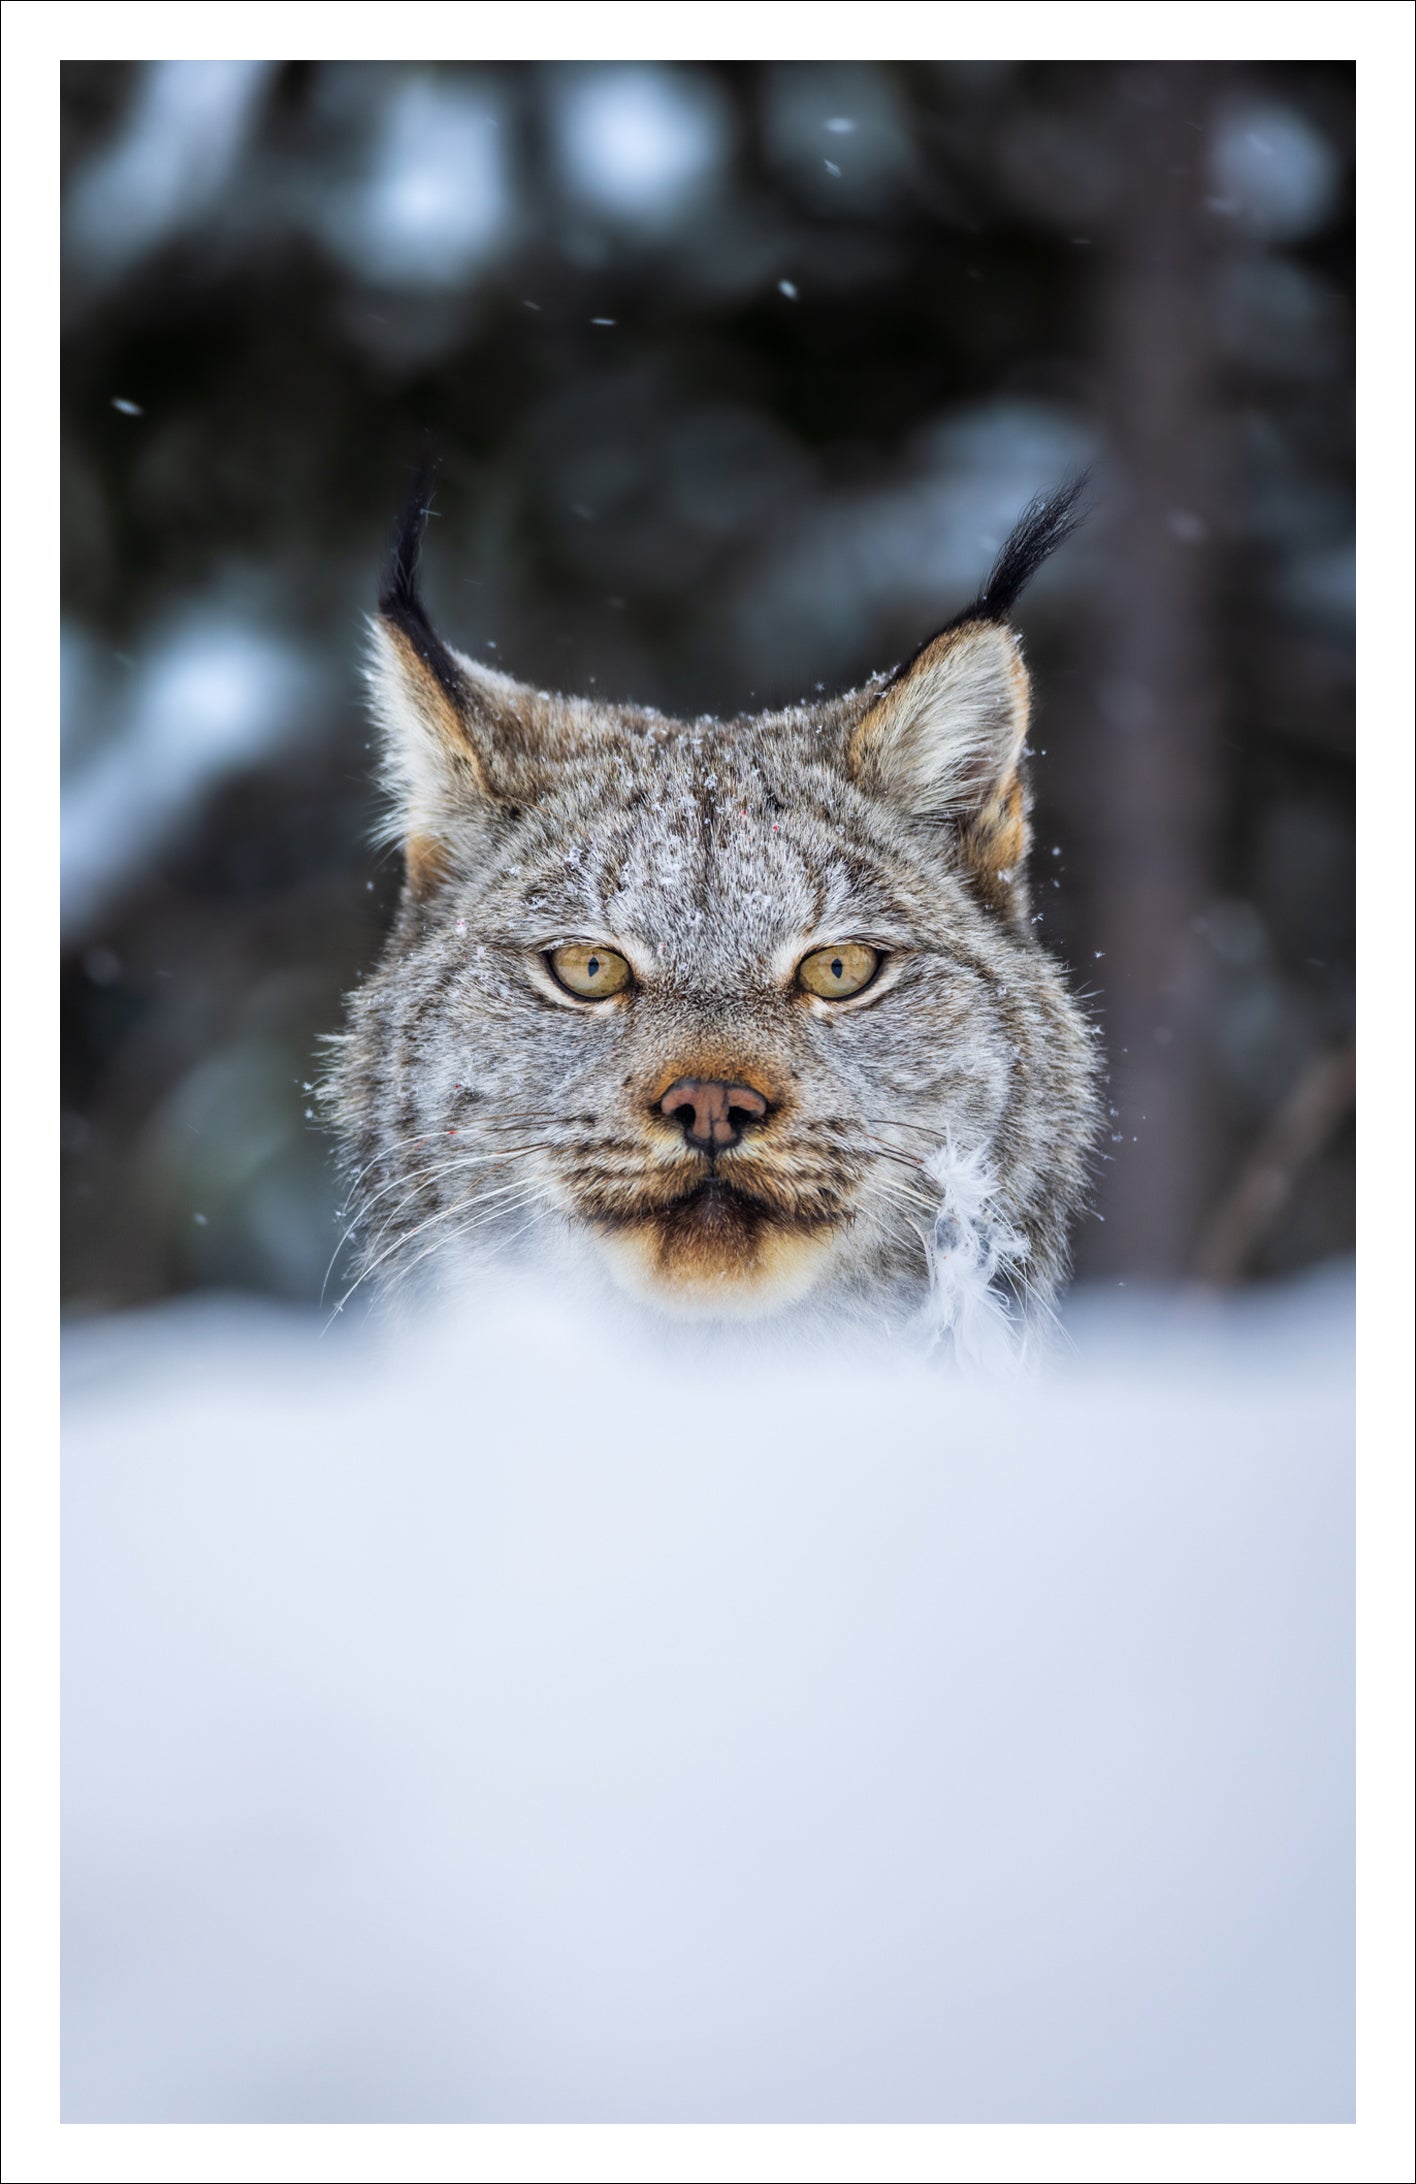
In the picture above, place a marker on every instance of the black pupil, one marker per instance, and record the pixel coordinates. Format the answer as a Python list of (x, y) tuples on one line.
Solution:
[(593, 967), (838, 969)]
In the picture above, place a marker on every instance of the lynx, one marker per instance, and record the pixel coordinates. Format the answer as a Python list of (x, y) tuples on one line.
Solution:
[(747, 1015)]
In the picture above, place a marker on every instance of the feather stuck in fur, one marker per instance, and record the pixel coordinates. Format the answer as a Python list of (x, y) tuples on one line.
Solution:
[(976, 1261)]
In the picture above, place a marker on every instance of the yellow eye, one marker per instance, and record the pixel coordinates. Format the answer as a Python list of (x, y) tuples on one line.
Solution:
[(593, 973), (835, 973)]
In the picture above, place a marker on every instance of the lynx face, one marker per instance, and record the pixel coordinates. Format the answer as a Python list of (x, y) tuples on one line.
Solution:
[(748, 1011)]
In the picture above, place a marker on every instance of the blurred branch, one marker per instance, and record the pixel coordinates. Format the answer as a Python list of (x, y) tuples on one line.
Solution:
[(1315, 1107)]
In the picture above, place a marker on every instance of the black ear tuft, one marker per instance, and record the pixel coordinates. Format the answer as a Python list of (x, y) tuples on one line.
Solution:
[(400, 601), (1044, 525), (398, 594)]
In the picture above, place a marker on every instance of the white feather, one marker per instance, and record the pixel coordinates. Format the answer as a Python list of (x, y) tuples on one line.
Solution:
[(972, 1252)]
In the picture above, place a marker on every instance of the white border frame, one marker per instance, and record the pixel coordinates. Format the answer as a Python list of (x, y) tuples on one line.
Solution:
[(1378, 36)]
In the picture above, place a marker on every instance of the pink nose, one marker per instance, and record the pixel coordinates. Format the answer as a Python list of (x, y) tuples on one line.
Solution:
[(712, 1115)]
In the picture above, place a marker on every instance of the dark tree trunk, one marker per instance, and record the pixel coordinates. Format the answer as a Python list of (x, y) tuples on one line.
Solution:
[(1156, 771)]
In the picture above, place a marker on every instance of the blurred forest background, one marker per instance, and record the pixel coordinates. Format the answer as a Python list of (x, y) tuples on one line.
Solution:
[(739, 374)]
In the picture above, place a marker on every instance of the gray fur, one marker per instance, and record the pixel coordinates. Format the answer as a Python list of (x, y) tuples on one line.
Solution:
[(481, 1112)]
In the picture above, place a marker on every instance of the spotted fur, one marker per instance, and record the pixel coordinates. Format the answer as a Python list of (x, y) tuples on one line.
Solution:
[(483, 1110)]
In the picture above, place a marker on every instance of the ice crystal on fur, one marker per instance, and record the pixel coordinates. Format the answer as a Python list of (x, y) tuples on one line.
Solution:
[(716, 1126)]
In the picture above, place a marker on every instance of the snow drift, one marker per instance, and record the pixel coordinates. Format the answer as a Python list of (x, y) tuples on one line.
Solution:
[(525, 1723)]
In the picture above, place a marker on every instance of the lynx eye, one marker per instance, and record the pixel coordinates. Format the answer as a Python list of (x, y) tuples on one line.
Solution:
[(836, 973), (592, 973)]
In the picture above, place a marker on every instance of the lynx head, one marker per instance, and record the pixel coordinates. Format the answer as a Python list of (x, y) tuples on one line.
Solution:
[(749, 1011)]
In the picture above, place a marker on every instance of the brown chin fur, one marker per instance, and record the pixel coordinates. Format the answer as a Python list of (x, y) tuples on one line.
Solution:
[(718, 1250)]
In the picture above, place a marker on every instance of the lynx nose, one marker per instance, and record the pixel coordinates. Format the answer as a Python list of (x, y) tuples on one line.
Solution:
[(713, 1115)]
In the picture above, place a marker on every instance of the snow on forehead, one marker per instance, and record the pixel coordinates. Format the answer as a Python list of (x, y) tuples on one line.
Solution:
[(704, 838), (711, 855)]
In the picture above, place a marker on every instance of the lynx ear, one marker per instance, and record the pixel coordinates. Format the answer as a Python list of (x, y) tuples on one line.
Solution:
[(460, 740), (944, 740)]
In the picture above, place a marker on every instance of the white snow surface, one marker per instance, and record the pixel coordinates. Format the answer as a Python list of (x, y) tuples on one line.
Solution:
[(523, 1720)]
